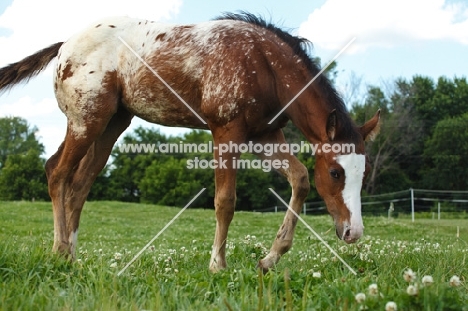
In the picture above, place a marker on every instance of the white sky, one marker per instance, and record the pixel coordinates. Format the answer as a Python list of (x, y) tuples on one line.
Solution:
[(394, 38)]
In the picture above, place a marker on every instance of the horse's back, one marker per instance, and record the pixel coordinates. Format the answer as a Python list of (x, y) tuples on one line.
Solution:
[(213, 66)]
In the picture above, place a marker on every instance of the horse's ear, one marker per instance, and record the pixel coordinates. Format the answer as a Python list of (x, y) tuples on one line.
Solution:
[(331, 125), (371, 128)]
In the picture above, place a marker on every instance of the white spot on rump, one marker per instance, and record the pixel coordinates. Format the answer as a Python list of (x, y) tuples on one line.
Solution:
[(353, 165)]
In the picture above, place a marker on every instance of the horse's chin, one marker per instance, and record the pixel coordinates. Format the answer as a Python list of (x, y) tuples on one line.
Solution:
[(351, 241)]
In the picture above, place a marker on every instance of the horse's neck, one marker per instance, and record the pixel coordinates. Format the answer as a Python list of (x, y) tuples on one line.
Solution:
[(309, 114)]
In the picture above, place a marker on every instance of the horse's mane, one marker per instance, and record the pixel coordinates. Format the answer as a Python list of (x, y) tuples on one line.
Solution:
[(301, 47)]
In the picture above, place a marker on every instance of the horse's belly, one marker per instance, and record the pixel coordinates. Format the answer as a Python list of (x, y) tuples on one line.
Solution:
[(164, 111)]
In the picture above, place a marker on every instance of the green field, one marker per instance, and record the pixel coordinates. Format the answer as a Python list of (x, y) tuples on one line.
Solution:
[(173, 273)]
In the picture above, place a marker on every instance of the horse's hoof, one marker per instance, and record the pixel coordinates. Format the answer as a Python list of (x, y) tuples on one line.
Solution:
[(263, 267)]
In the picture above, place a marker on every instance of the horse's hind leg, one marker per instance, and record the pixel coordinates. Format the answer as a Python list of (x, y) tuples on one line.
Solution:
[(72, 171), (298, 178)]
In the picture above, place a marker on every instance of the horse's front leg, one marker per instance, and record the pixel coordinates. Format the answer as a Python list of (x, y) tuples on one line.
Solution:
[(298, 178), (225, 201)]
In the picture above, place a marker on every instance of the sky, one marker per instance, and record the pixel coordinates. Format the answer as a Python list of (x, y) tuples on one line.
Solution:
[(393, 39)]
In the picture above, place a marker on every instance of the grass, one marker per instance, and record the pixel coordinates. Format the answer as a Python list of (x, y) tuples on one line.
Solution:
[(173, 273)]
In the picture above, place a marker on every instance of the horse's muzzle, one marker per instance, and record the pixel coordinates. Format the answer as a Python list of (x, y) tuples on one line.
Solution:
[(348, 233)]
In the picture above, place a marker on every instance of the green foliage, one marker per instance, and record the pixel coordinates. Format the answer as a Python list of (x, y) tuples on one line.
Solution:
[(446, 153), (22, 175), (17, 137), (171, 183), (23, 178), (422, 138)]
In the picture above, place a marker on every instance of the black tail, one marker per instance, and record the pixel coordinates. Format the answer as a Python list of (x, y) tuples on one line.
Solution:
[(28, 67)]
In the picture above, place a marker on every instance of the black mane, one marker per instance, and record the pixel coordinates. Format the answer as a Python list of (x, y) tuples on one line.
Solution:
[(300, 46)]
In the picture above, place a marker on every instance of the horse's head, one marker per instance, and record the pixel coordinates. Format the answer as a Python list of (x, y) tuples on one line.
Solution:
[(340, 169)]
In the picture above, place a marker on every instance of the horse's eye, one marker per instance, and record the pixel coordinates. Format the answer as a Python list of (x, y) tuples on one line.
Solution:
[(335, 174)]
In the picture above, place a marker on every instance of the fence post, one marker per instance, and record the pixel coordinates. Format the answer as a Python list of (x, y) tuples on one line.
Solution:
[(438, 210), (412, 204), (276, 209), (390, 209), (304, 209)]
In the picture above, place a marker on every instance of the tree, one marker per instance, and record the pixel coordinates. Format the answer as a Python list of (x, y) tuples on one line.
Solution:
[(421, 124), (128, 168), (446, 153), (23, 177), (395, 141), (17, 137)]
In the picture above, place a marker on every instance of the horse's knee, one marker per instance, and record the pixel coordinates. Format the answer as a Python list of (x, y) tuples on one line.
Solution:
[(225, 201), (300, 183)]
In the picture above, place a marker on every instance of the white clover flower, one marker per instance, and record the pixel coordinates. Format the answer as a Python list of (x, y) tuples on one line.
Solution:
[(360, 297), (391, 306), (316, 275), (373, 290), (427, 280), (113, 265), (455, 281), (117, 256), (412, 290), (409, 275)]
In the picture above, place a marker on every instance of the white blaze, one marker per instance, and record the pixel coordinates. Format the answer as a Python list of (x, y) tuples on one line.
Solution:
[(353, 165)]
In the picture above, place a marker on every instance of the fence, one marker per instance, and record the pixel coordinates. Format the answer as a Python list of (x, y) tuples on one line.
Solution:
[(422, 202)]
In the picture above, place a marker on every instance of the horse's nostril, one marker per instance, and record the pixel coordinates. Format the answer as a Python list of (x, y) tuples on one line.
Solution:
[(348, 233)]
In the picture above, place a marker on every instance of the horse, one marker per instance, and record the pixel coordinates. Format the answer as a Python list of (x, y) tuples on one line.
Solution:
[(234, 76)]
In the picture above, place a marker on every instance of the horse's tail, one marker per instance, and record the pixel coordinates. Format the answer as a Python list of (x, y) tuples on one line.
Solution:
[(27, 68)]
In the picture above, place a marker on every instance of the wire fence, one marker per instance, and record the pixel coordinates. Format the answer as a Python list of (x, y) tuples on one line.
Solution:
[(415, 203)]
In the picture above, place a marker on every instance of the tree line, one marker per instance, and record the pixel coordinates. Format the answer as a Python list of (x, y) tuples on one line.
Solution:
[(423, 143)]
